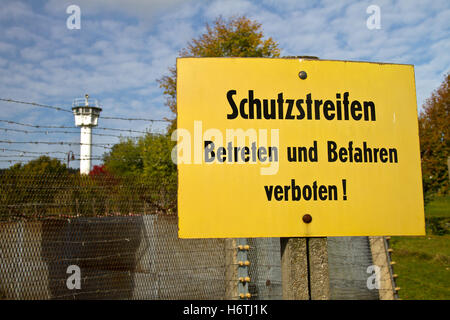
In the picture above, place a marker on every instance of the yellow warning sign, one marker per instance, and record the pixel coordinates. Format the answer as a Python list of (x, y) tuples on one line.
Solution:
[(292, 148)]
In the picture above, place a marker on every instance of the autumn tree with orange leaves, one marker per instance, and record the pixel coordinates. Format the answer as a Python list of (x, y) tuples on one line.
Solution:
[(434, 129)]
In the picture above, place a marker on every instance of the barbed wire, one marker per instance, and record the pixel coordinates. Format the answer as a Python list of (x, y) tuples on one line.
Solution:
[(35, 104), (69, 127), (33, 152), (59, 158), (19, 155), (64, 132), (25, 158), (105, 145), (26, 154), (34, 157), (21, 160), (70, 111), (136, 119)]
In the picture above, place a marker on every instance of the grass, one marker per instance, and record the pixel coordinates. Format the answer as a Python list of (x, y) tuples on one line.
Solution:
[(423, 263), (439, 207)]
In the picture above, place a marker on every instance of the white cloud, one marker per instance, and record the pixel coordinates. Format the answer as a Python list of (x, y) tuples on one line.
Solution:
[(144, 10), (7, 47), (229, 8), (33, 54)]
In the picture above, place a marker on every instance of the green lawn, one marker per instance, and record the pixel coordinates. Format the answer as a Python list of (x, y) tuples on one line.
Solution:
[(423, 263), (439, 207)]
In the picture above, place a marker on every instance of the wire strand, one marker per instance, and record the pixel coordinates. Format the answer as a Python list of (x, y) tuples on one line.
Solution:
[(105, 145), (69, 127), (70, 111), (35, 104), (65, 132), (33, 152)]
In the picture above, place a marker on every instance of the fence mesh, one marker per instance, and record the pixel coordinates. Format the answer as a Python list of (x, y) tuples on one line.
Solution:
[(121, 234), (265, 268), (73, 195)]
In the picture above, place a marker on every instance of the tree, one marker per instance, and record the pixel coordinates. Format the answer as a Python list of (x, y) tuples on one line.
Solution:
[(236, 37), (125, 158), (149, 157), (434, 127), (41, 166), (25, 189), (145, 165), (156, 156)]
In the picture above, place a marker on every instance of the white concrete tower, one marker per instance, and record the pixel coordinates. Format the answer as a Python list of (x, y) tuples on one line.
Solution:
[(86, 114)]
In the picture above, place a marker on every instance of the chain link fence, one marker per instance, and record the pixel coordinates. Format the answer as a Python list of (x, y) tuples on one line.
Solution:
[(359, 268), (120, 235)]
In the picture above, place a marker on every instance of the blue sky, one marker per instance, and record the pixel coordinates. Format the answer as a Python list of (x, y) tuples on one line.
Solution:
[(124, 46)]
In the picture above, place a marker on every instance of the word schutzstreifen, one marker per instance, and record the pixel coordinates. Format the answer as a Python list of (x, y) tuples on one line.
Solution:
[(300, 109)]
